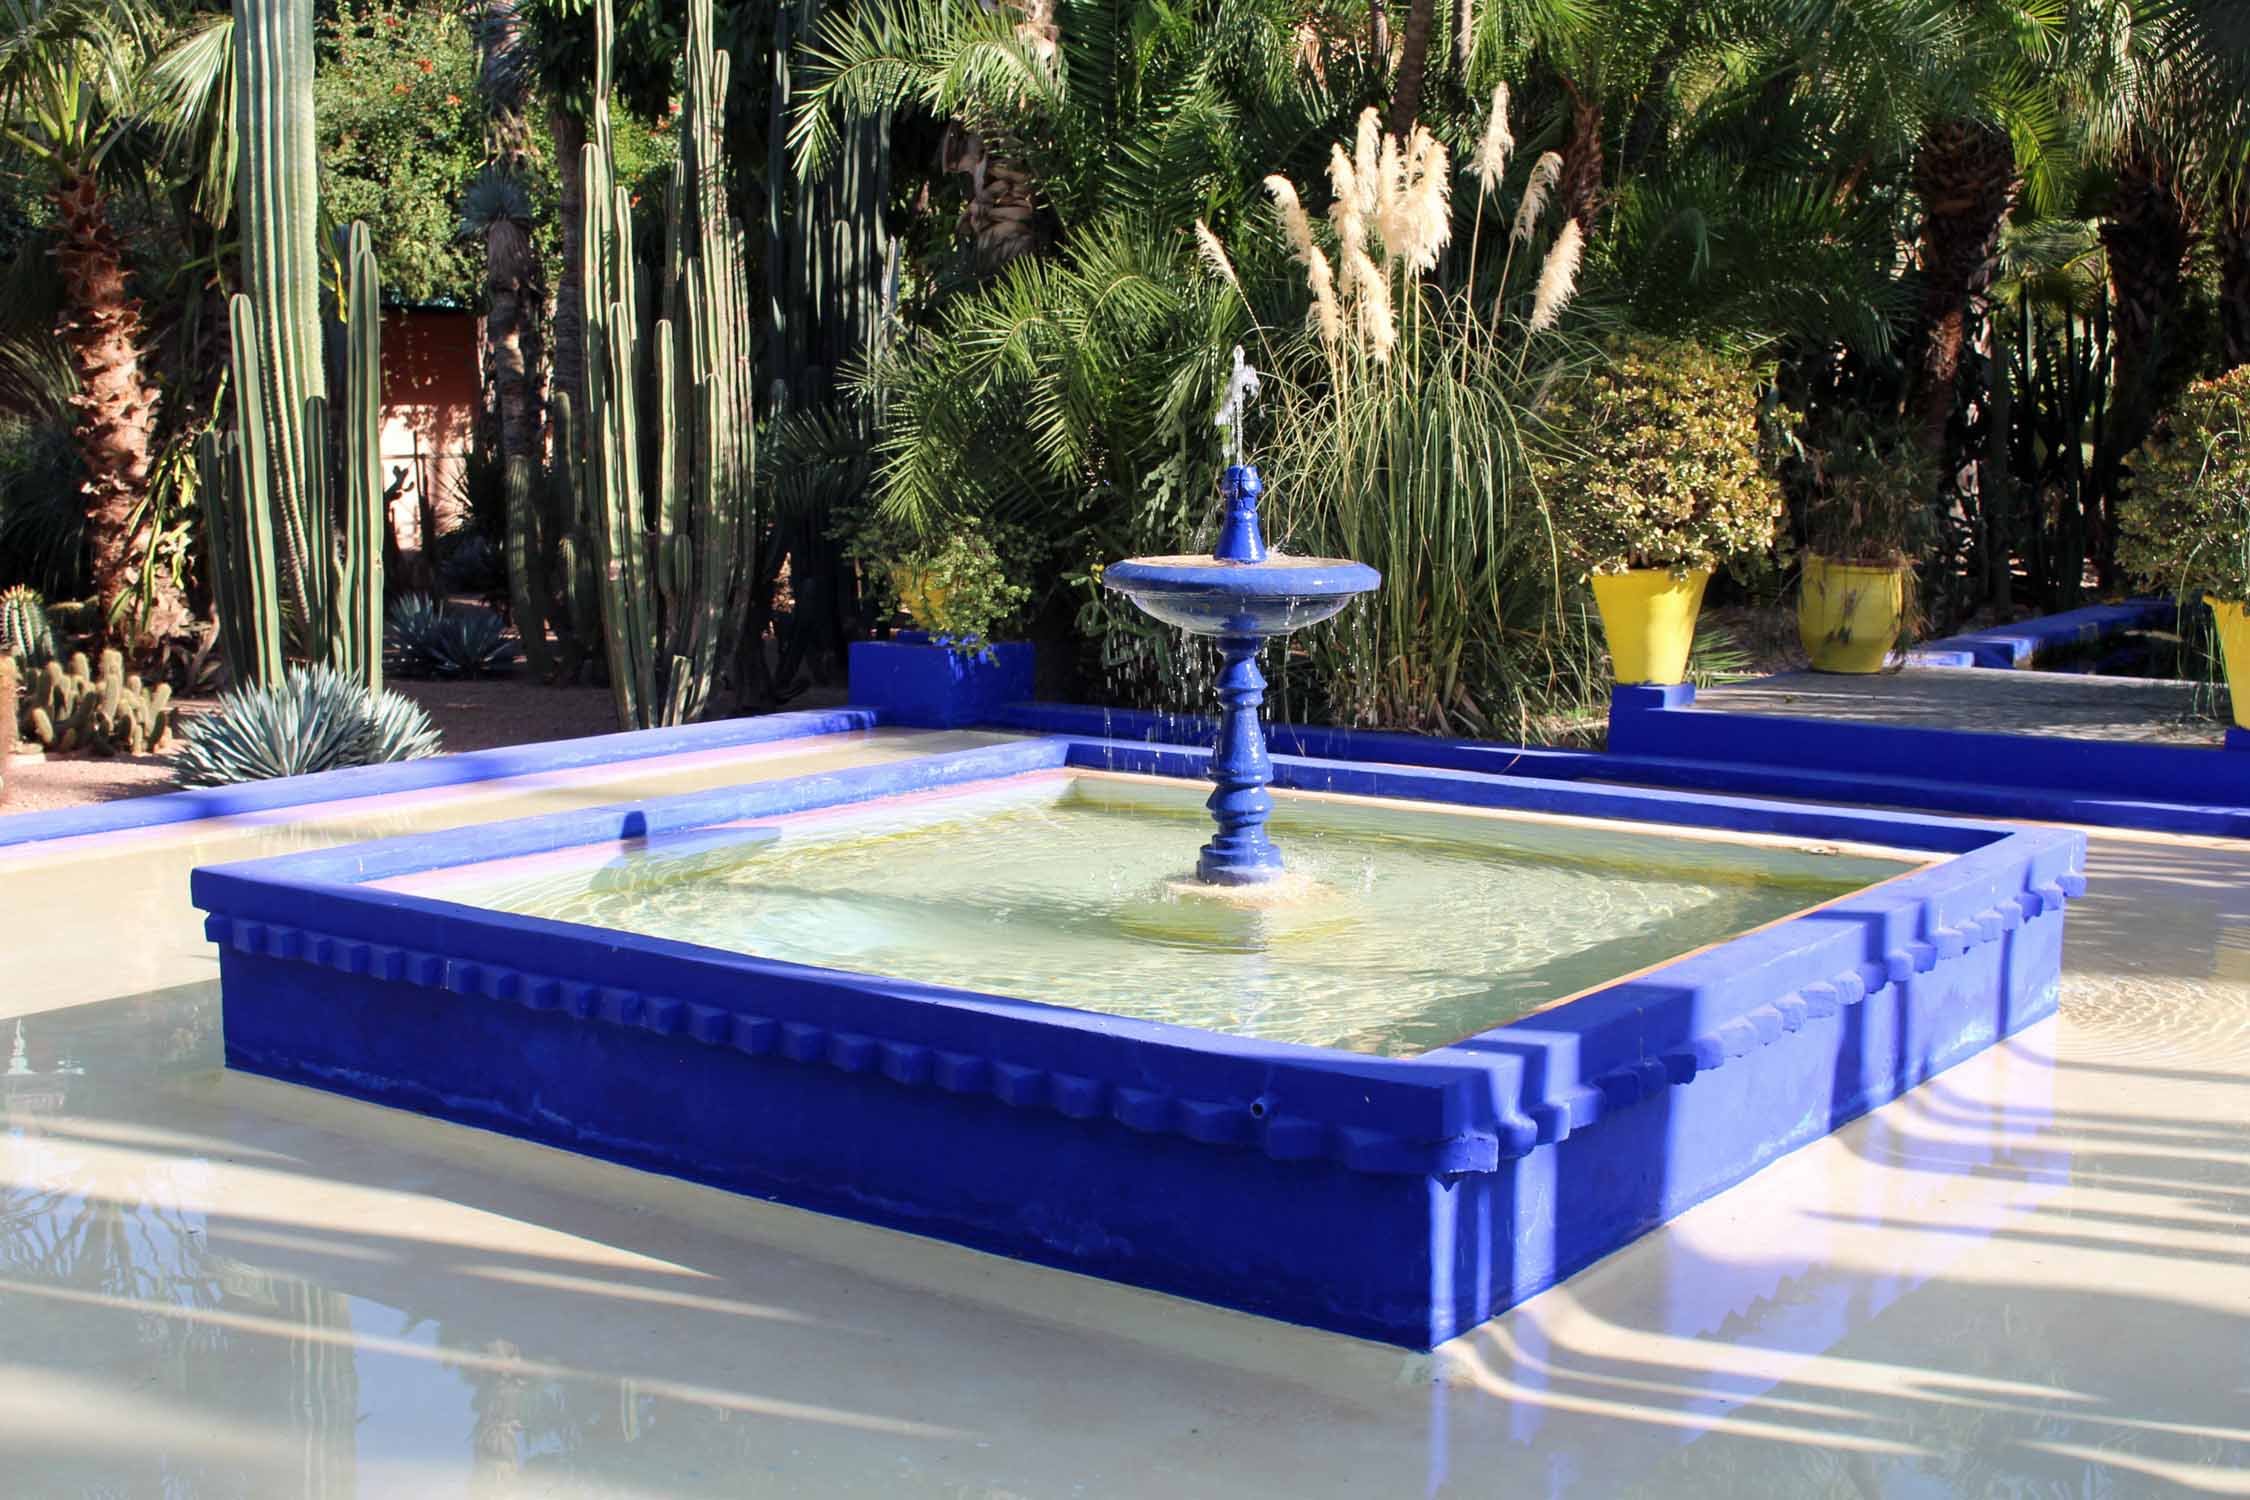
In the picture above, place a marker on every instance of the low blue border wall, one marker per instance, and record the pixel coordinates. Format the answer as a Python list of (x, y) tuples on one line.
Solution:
[(434, 773), (2168, 788), (2023, 643), (1400, 1199)]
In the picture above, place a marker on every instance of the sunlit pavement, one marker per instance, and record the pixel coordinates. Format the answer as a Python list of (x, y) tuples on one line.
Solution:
[(2029, 1278)]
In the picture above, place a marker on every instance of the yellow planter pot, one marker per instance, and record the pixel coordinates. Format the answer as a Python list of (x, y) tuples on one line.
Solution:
[(923, 601), (1849, 614), (2234, 647), (1649, 617)]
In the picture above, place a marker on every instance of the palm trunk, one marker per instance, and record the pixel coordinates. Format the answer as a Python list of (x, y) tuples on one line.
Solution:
[(116, 431), (511, 272), (1965, 176), (1578, 186), (2145, 239), (1413, 61), (1464, 39), (2232, 237)]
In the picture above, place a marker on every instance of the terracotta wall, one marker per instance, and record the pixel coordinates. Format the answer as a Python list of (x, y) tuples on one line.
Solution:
[(429, 404)]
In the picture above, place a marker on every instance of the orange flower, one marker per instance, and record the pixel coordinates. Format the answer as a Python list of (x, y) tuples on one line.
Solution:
[(453, 98), (425, 65)]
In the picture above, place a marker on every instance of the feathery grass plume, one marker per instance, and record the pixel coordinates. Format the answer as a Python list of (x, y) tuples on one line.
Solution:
[(1366, 159), (1393, 207), (1344, 212), (1558, 277), (1296, 225), (1326, 315), (1490, 160), (1430, 219), (1371, 301), (1543, 174), (1215, 255)]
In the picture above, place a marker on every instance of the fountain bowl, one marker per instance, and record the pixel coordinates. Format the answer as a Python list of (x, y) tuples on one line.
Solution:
[(1204, 595)]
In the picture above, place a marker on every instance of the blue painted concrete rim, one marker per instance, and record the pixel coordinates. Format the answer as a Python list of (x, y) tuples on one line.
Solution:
[(434, 773), (1469, 1107), (2020, 645), (1276, 577)]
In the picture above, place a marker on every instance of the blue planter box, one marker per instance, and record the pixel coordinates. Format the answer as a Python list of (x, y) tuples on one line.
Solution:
[(917, 681), (1399, 1199)]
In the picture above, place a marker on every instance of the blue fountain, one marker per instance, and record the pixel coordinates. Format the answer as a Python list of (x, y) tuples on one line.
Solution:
[(1242, 596)]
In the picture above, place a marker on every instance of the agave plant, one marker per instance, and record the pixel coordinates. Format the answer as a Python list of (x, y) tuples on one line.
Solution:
[(426, 637), (319, 719)]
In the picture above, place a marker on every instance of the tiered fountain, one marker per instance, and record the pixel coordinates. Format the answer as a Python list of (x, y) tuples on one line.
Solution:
[(1242, 596)]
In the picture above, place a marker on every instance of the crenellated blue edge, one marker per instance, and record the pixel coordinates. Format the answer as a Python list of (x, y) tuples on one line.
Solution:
[(1468, 1108)]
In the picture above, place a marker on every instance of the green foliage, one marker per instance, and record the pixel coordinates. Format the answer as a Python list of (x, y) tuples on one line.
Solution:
[(401, 139), (25, 634), (429, 638), (72, 706), (42, 508), (317, 719), (1650, 459), (2186, 522)]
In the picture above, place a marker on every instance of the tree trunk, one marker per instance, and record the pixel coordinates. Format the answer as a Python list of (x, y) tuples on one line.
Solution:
[(1413, 60), (1578, 187), (1464, 39), (511, 271), (2145, 239), (116, 431), (570, 319), (2232, 235), (1379, 31), (1965, 175)]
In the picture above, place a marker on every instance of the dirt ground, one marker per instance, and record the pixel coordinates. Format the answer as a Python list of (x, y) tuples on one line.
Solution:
[(479, 714)]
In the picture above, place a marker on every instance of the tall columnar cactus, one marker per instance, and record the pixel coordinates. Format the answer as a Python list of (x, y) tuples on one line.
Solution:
[(674, 519), (297, 532)]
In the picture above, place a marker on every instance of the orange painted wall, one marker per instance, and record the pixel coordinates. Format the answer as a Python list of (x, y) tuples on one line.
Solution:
[(429, 407)]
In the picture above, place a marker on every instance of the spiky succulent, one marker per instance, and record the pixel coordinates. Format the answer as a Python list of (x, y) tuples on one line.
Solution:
[(428, 638), (317, 720)]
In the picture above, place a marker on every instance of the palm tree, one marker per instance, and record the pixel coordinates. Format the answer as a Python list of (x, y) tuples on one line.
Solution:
[(70, 71), (498, 211)]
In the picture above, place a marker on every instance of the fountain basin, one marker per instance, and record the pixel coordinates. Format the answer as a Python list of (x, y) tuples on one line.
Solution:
[(1206, 596), (1404, 1197)]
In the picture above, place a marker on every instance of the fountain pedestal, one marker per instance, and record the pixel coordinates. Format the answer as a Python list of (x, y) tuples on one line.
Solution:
[(1242, 596)]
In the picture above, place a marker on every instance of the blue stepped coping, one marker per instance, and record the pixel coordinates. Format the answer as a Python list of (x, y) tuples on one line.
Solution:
[(435, 773), (2019, 645)]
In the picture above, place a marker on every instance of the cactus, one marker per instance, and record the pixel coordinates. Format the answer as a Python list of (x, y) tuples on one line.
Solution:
[(25, 634), (9, 686), (72, 706), (673, 593), (288, 487)]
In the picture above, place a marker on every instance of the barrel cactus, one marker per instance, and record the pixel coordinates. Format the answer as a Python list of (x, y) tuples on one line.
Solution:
[(75, 706), (25, 632), (316, 719)]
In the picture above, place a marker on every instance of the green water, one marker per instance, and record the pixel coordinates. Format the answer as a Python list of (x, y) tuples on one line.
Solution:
[(1418, 928)]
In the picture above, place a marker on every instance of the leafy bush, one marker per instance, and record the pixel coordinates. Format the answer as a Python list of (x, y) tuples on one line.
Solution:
[(2186, 524), (957, 589), (424, 637), (318, 720), (1651, 460), (42, 509)]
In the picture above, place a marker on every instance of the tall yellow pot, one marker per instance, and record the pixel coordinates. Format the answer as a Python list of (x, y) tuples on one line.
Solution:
[(923, 600), (1649, 617), (1849, 614), (2234, 647)]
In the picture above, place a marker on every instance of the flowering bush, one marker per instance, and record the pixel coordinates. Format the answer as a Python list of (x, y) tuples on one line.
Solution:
[(1650, 459), (2186, 525)]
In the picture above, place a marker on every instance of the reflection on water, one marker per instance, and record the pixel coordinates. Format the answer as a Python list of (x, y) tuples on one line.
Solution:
[(1397, 931)]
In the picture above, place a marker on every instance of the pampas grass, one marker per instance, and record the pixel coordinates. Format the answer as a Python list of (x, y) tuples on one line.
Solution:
[(1558, 277)]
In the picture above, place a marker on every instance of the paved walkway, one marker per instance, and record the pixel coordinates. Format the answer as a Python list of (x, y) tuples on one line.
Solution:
[(2060, 704), (2026, 1278)]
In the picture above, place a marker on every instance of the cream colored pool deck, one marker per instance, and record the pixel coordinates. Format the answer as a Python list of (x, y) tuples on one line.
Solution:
[(2030, 1277)]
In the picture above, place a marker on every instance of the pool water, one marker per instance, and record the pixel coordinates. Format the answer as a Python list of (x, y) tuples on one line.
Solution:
[(1403, 929)]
